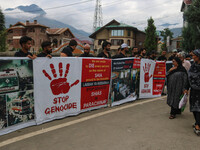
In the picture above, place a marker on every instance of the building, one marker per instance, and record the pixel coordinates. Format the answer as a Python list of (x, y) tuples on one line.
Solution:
[(38, 33), (118, 33), (184, 7)]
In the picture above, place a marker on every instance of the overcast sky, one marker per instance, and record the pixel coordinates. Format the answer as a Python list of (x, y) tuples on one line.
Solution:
[(81, 16)]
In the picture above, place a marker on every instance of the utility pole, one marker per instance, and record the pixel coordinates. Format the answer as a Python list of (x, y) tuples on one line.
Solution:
[(98, 16)]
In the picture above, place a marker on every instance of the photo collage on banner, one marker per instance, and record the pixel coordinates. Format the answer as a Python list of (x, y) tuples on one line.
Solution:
[(57, 88), (16, 92), (147, 68), (125, 76), (95, 83)]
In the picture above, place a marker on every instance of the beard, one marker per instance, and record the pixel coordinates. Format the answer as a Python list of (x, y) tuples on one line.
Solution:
[(49, 51), (108, 49)]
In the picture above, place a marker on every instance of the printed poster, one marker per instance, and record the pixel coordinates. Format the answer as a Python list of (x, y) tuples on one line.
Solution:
[(147, 68), (95, 83), (124, 78), (57, 88), (16, 94), (159, 78)]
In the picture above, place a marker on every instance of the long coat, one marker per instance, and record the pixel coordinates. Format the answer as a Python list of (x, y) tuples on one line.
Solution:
[(194, 80), (176, 84)]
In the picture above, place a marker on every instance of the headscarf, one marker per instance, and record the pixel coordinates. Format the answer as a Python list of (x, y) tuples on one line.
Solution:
[(194, 73), (180, 67), (197, 52)]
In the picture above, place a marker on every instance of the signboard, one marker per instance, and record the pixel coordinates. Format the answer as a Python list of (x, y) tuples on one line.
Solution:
[(57, 88)]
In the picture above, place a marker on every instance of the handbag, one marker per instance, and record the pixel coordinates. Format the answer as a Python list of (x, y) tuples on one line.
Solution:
[(183, 102)]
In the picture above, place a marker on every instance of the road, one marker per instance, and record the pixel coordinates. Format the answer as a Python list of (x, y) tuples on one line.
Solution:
[(140, 125)]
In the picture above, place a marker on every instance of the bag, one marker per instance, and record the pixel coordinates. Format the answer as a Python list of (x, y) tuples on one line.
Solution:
[(183, 102)]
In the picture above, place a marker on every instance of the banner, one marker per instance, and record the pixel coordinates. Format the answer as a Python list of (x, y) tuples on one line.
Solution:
[(57, 88), (16, 94), (147, 68), (95, 83), (159, 78), (123, 88)]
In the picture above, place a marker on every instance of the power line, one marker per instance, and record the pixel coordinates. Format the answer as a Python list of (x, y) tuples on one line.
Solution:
[(37, 10)]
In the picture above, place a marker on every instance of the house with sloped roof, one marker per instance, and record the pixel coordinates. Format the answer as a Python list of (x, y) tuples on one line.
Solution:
[(118, 33), (38, 33)]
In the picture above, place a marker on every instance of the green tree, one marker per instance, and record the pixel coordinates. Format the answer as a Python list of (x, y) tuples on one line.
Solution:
[(165, 33), (2, 33), (187, 42), (150, 42), (193, 29)]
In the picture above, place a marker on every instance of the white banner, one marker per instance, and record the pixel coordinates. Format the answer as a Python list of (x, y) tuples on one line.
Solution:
[(57, 88), (147, 68)]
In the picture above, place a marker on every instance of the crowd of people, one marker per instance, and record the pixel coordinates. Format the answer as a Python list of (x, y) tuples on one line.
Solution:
[(181, 78)]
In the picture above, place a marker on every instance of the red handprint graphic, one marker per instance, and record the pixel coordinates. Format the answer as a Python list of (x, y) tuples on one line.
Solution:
[(60, 85), (146, 72)]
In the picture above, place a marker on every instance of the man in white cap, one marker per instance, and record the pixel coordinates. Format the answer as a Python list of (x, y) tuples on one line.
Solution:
[(124, 50)]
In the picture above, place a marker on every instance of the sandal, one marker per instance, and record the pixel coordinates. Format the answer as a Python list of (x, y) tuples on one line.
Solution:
[(172, 116)]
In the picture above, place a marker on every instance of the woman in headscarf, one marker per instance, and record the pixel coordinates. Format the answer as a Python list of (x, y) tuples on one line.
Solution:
[(177, 81), (194, 84)]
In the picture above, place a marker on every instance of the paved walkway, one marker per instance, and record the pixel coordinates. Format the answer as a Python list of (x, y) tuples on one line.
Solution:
[(140, 125)]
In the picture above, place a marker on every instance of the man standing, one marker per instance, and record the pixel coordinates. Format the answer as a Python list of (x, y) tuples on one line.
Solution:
[(135, 52), (163, 56), (153, 55), (67, 51), (106, 49), (124, 50), (173, 55), (185, 62), (25, 43), (47, 50), (86, 51)]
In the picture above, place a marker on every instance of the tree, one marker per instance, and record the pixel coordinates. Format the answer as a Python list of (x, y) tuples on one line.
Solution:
[(165, 33), (2, 33), (150, 42), (193, 29)]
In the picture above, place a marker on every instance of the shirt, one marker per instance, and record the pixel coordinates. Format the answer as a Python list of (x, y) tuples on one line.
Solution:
[(186, 64), (120, 55), (162, 58), (42, 54), (22, 54), (86, 55), (103, 55), (68, 51)]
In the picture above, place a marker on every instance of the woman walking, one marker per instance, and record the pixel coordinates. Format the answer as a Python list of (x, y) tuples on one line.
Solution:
[(177, 81), (194, 83)]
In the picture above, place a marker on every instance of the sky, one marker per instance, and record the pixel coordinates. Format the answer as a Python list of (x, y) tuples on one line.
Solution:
[(80, 13)]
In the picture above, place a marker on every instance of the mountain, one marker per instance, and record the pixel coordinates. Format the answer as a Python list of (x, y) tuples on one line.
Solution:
[(42, 19), (34, 9), (177, 32)]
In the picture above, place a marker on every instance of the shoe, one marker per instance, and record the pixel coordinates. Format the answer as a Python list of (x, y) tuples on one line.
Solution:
[(172, 116), (196, 131)]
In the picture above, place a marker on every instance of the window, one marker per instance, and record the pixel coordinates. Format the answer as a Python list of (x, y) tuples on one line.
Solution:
[(129, 43), (66, 33), (117, 42), (55, 42), (33, 42), (117, 33), (31, 30), (129, 33), (43, 30), (100, 42)]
